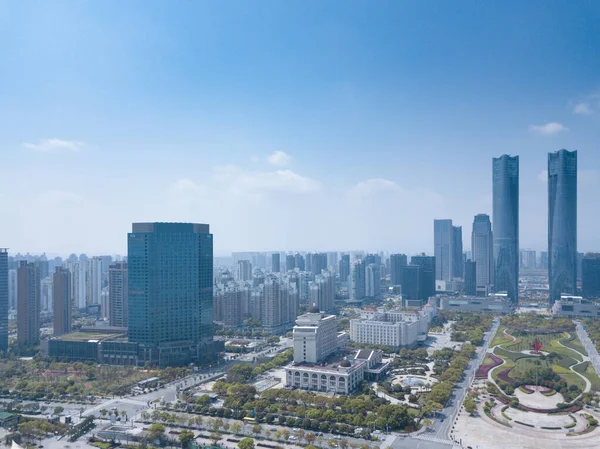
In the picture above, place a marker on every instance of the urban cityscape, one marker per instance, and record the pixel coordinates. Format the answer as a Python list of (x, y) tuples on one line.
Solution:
[(457, 317)]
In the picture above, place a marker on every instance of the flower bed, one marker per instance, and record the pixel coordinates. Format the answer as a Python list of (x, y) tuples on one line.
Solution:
[(503, 375), (483, 370)]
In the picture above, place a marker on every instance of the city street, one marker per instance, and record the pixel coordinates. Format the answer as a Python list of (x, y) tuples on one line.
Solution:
[(588, 345)]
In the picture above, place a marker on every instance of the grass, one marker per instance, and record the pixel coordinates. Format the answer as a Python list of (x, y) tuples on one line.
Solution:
[(500, 337), (588, 371), (501, 368), (487, 360), (573, 342)]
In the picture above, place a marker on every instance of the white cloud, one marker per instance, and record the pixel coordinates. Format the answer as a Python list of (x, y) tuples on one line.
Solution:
[(548, 129), (247, 181), (372, 187), (46, 145), (279, 159), (582, 109)]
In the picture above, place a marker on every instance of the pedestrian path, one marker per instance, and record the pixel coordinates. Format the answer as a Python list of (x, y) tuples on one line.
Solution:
[(434, 439)]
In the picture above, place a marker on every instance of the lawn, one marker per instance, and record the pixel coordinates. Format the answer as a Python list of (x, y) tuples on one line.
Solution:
[(589, 372), (573, 342), (500, 337), (487, 360), (525, 364)]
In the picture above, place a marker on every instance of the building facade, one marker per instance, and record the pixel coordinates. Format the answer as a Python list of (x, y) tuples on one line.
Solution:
[(590, 276), (443, 238), (118, 294), (505, 172), (457, 249), (4, 299), (275, 262), (171, 292), (397, 261), (28, 305), (562, 223), (62, 290), (482, 248)]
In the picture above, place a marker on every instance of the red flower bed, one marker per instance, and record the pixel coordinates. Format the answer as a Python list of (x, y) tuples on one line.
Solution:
[(503, 375), (483, 370)]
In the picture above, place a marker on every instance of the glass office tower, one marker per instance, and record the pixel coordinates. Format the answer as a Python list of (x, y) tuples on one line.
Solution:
[(170, 297), (505, 170), (562, 223)]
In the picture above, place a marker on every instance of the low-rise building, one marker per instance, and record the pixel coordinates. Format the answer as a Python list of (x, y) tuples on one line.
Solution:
[(394, 328), (494, 304), (575, 306)]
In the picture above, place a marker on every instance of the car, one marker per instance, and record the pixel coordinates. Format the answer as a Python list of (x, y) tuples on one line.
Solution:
[(296, 429), (273, 429)]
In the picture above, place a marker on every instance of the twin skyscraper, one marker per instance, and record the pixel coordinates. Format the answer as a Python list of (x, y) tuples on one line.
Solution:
[(495, 245)]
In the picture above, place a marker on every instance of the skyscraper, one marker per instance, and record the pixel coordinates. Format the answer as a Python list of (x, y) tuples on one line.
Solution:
[(171, 292), (118, 291), (482, 247), (290, 262), (319, 262), (3, 299), (505, 172), (28, 304), (373, 280), (397, 261), (62, 291), (344, 269), (356, 280), (426, 275), (457, 250), (244, 270), (470, 278), (590, 276), (275, 262), (443, 238), (562, 223)]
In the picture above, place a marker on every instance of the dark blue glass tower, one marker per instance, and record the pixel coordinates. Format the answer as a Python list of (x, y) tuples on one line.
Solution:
[(562, 223), (506, 225), (171, 292)]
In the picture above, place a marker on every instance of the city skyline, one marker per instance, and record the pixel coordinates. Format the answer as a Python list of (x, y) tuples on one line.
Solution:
[(309, 111)]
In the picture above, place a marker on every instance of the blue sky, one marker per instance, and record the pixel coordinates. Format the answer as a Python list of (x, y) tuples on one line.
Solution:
[(287, 124)]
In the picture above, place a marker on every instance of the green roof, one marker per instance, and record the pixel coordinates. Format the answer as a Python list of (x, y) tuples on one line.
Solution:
[(86, 336), (5, 415)]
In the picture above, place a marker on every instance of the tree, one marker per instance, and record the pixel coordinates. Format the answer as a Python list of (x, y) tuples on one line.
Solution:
[(236, 427), (310, 438), (103, 412), (332, 443), (58, 410), (156, 430), (215, 437), (185, 436), (470, 406), (246, 443), (256, 429)]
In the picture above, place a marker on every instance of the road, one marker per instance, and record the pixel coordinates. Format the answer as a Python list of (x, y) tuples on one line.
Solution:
[(588, 345), (441, 429)]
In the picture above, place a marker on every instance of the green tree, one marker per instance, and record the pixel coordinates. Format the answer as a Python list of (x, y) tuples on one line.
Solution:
[(185, 436), (58, 410), (470, 406), (256, 429), (236, 427), (246, 443), (156, 430), (215, 437)]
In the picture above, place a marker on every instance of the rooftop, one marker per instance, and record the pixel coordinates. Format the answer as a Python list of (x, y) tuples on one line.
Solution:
[(88, 336), (332, 364)]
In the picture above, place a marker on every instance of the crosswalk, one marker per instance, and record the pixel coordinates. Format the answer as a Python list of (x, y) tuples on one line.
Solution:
[(434, 439)]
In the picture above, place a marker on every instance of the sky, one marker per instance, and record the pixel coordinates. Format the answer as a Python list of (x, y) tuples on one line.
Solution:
[(289, 125)]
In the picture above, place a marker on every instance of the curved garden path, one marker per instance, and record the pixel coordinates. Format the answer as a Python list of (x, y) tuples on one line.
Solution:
[(588, 384)]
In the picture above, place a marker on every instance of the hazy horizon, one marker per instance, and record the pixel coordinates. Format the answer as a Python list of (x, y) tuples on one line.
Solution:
[(287, 125)]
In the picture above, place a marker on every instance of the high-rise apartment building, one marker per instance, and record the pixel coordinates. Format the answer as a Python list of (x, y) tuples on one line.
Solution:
[(299, 262), (319, 262), (344, 268), (457, 250), (562, 223), (62, 291), (356, 280), (443, 238), (290, 262), (372, 280), (275, 262), (28, 304), (12, 289), (118, 294), (280, 303), (244, 270), (482, 248), (590, 276), (397, 261), (3, 299), (171, 292), (505, 172), (94, 281)]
